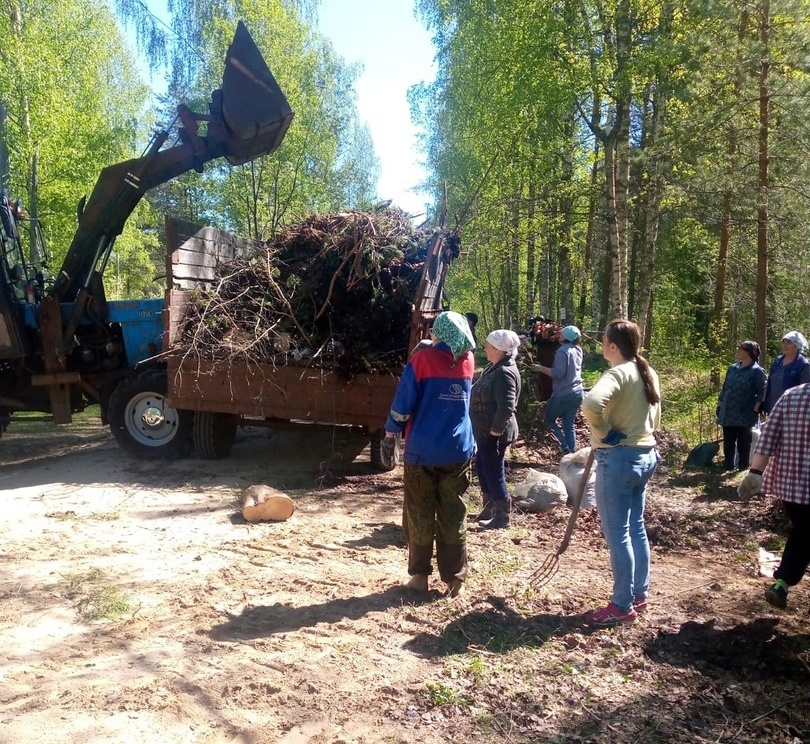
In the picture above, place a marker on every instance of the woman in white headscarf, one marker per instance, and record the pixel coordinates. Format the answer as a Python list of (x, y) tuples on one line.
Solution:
[(492, 411), (789, 369)]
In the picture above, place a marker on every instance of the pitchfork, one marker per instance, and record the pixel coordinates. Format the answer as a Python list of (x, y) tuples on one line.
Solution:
[(550, 565)]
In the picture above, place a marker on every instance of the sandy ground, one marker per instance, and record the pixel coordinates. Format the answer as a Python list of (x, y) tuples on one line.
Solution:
[(276, 632), (234, 632)]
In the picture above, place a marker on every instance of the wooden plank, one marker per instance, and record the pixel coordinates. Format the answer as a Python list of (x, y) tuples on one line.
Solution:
[(194, 277), (56, 378), (177, 302), (280, 392), (200, 252), (50, 324), (191, 254), (230, 245), (170, 230), (194, 253)]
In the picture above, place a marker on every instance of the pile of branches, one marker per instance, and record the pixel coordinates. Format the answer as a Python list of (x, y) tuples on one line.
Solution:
[(333, 291)]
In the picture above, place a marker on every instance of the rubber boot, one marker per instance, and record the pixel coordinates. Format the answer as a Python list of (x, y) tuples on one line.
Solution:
[(500, 515), (486, 512)]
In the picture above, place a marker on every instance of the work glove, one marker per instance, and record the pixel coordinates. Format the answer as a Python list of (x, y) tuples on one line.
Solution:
[(389, 456), (614, 437), (750, 485)]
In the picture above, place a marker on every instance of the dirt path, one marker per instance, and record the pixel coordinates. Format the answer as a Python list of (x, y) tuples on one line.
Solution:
[(221, 631)]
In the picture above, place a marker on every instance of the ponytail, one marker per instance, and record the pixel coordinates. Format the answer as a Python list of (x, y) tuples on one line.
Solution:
[(627, 336), (644, 373)]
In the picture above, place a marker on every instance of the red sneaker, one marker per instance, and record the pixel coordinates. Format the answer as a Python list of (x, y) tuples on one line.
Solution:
[(640, 605), (611, 615)]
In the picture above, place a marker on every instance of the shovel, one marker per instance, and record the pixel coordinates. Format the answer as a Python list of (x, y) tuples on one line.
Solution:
[(550, 565)]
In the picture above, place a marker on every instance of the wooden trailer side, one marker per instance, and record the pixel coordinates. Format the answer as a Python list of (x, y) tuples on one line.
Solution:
[(267, 391)]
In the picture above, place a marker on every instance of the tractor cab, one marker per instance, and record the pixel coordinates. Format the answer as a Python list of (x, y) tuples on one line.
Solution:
[(22, 274)]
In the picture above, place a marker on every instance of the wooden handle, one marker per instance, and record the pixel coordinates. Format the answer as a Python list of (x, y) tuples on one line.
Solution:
[(583, 484)]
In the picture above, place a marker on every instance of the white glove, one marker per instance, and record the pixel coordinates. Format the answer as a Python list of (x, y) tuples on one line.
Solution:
[(389, 455), (750, 485)]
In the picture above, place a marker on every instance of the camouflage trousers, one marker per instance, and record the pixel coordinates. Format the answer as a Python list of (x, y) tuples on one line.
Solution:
[(435, 509)]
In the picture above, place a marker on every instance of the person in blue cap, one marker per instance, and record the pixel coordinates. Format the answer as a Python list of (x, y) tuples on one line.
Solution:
[(566, 386)]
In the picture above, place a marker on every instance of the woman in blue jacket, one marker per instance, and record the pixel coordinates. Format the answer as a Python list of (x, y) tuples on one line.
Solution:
[(432, 407), (737, 404), (789, 369), (567, 390)]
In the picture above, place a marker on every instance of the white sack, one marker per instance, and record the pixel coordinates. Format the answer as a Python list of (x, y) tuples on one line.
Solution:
[(545, 492), (571, 469)]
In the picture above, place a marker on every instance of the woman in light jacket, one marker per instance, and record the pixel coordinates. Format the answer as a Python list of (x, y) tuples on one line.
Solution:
[(623, 410)]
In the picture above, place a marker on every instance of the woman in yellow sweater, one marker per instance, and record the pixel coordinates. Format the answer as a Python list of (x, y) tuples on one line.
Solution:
[(623, 410)]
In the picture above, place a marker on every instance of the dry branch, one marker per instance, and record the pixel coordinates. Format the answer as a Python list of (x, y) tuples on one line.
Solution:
[(334, 291)]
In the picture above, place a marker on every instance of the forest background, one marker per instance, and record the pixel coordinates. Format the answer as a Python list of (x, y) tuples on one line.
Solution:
[(600, 159)]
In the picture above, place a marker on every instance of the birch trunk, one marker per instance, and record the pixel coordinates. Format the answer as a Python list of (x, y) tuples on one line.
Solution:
[(763, 178)]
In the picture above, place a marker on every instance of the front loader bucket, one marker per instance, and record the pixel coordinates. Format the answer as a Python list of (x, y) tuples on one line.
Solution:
[(254, 109)]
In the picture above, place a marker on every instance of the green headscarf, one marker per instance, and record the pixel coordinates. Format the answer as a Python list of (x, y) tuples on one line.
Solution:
[(454, 330)]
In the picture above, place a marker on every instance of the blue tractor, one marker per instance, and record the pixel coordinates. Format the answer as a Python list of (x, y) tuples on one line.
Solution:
[(63, 345)]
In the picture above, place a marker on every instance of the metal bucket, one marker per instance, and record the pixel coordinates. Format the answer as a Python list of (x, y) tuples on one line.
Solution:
[(254, 109)]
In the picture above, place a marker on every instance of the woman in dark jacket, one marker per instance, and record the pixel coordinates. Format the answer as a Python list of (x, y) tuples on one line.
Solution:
[(492, 412), (736, 406)]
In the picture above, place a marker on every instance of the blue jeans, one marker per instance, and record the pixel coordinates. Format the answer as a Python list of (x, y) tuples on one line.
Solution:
[(621, 490), (564, 407)]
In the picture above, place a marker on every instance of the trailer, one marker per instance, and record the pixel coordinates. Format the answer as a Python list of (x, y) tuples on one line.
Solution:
[(219, 396)]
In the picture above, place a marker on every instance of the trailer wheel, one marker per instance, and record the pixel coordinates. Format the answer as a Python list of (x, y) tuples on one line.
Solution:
[(376, 460), (214, 434), (141, 421)]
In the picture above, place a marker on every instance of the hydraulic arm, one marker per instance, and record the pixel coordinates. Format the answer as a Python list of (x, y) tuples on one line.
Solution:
[(248, 117)]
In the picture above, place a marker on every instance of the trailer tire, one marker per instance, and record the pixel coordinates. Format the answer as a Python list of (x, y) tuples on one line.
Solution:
[(214, 434), (141, 421), (376, 459)]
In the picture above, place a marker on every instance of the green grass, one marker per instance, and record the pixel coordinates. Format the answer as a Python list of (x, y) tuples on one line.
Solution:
[(689, 400), (25, 424), (441, 694), (97, 599), (774, 543), (593, 367), (91, 414), (71, 516)]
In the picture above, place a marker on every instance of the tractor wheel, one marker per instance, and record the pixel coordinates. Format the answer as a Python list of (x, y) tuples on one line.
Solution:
[(376, 460), (214, 434), (141, 421)]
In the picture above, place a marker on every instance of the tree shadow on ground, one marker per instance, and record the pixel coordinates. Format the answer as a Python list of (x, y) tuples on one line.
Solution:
[(710, 485), (382, 536), (267, 620), (755, 650), (498, 629), (694, 709)]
